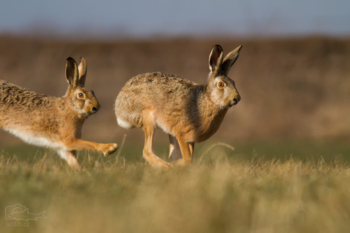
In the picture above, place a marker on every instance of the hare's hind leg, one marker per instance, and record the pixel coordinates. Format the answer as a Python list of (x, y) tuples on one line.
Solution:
[(70, 157), (174, 149), (148, 154)]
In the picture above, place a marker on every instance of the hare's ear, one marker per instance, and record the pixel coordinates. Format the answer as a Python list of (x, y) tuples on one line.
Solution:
[(82, 72), (72, 74), (215, 59), (230, 59)]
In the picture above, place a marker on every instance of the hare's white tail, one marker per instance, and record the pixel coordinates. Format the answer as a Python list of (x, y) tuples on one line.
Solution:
[(125, 124)]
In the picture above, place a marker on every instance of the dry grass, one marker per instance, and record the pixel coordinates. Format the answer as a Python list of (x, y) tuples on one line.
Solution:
[(220, 196)]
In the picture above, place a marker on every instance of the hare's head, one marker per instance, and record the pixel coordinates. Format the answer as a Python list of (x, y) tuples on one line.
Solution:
[(81, 99), (222, 89)]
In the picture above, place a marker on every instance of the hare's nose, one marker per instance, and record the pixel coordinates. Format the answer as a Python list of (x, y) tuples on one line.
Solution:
[(236, 99), (95, 109)]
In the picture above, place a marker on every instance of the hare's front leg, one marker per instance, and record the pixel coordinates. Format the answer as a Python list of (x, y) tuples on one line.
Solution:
[(187, 150), (70, 157), (78, 144)]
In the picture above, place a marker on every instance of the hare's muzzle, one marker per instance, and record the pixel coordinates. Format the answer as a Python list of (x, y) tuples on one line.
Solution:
[(235, 100), (95, 108)]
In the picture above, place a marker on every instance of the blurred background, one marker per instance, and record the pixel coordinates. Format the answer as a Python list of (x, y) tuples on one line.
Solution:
[(293, 73)]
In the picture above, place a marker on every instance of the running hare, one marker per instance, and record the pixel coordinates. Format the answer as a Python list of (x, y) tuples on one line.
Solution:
[(187, 111), (53, 122)]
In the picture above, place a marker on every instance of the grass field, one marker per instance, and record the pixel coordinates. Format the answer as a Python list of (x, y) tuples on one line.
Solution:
[(258, 187)]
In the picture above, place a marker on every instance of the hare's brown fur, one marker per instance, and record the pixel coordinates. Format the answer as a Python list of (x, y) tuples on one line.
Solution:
[(187, 111), (180, 106), (43, 114), (54, 122), (37, 108)]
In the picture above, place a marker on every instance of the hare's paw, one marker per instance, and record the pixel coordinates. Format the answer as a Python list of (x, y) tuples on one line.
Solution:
[(158, 163), (110, 149), (182, 163), (166, 165), (161, 164)]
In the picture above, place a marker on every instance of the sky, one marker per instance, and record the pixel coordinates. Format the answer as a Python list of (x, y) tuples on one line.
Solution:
[(147, 18)]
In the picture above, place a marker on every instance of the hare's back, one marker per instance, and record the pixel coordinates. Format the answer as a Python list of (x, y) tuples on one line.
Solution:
[(154, 89), (157, 85), (17, 97)]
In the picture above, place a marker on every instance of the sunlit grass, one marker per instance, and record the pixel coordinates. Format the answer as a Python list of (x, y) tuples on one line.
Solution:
[(245, 190)]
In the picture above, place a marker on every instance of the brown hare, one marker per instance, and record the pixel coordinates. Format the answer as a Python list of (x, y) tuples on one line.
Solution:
[(187, 111), (53, 122)]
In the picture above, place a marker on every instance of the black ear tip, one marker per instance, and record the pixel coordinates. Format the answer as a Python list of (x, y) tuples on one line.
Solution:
[(217, 47), (70, 59), (238, 49)]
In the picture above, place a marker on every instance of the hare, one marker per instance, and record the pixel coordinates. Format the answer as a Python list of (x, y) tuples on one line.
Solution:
[(53, 122), (187, 111)]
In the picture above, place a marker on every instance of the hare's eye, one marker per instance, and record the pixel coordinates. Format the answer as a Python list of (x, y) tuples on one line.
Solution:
[(80, 95), (221, 84)]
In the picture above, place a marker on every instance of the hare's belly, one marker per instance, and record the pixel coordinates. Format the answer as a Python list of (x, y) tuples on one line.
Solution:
[(34, 138)]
